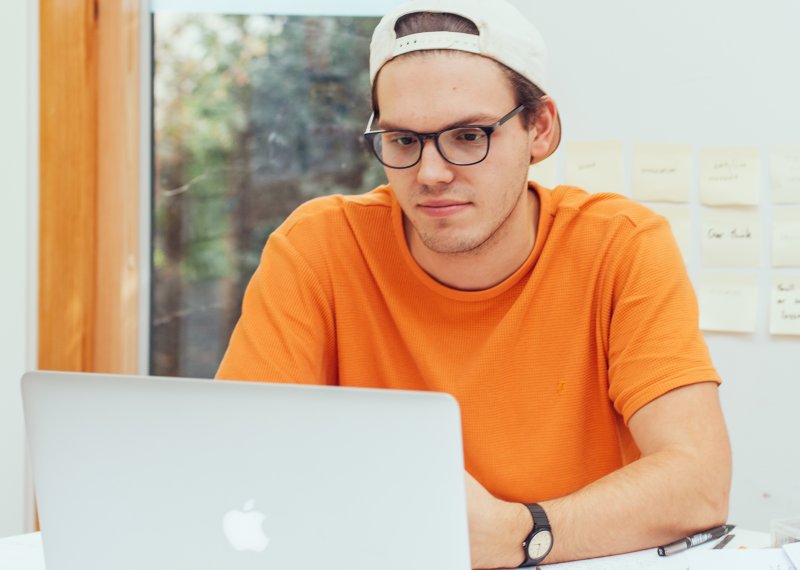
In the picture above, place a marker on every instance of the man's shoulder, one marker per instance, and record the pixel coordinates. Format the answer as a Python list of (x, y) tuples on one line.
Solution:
[(603, 208), (330, 212)]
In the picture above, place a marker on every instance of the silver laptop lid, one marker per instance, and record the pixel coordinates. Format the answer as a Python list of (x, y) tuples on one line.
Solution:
[(156, 473)]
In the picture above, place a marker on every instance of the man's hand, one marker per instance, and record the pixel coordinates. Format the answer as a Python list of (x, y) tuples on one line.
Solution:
[(496, 528)]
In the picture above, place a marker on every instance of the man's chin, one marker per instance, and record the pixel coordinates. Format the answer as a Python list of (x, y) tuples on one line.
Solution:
[(450, 245)]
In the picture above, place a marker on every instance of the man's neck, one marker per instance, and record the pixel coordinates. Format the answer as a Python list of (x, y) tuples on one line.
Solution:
[(494, 261)]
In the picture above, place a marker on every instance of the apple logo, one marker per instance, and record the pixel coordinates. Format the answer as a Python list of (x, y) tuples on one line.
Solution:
[(243, 529)]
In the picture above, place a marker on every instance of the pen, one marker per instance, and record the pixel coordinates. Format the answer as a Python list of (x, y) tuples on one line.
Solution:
[(694, 540), (722, 543)]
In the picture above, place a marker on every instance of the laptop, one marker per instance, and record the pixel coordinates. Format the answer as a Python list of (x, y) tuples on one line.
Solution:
[(135, 473)]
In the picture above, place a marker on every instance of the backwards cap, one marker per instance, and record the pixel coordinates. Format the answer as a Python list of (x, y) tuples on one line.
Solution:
[(504, 35)]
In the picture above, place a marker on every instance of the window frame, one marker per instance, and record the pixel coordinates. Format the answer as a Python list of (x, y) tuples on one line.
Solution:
[(89, 185)]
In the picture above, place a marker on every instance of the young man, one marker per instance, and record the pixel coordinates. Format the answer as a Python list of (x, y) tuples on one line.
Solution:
[(563, 322)]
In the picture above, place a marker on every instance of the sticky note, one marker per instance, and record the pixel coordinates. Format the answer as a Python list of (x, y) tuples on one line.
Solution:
[(595, 166), (785, 305), (731, 237), (784, 174), (662, 172), (544, 172), (730, 176), (679, 219), (786, 237), (728, 302)]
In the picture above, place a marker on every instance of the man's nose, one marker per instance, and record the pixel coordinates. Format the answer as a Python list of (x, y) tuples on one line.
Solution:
[(433, 168)]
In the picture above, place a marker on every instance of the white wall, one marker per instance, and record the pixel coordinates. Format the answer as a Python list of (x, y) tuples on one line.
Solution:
[(16, 287), (710, 73)]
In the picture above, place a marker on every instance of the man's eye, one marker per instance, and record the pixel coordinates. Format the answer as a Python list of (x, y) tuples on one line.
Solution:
[(470, 136), (402, 140)]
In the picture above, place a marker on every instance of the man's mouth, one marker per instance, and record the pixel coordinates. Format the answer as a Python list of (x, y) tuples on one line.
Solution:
[(442, 208)]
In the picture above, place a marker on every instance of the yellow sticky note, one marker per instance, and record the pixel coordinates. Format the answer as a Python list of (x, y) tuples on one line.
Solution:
[(595, 166), (544, 172), (731, 237), (785, 305), (730, 176), (662, 172), (728, 302), (784, 174), (679, 219), (786, 237)]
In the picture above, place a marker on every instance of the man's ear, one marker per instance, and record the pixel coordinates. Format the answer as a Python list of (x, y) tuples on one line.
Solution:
[(544, 131)]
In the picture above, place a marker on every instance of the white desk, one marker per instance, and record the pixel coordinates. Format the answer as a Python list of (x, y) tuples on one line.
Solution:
[(24, 552), (649, 559)]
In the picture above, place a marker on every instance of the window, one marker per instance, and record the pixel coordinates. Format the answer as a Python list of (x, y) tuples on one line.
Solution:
[(253, 114)]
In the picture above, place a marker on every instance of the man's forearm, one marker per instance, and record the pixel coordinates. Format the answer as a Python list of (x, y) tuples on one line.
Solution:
[(679, 486), (652, 501)]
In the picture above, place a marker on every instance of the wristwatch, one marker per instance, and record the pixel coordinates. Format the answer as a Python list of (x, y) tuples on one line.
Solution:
[(539, 542)]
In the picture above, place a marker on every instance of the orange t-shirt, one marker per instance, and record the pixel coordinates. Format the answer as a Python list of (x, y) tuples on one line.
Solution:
[(547, 366)]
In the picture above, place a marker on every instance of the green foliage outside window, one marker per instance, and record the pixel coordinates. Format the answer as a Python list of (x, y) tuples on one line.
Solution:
[(253, 115)]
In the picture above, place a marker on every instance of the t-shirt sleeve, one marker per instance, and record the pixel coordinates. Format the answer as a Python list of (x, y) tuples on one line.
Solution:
[(286, 329), (654, 342)]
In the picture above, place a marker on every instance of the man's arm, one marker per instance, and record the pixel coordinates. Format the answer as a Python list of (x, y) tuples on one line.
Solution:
[(679, 486)]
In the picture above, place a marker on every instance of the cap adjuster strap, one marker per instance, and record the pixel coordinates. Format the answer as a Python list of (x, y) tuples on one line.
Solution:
[(437, 40)]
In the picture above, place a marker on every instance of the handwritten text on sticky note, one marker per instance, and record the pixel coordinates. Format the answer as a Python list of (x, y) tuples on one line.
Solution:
[(730, 176), (595, 166), (731, 237), (785, 306), (662, 172)]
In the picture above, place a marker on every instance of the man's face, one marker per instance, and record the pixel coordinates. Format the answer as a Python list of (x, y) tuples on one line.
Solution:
[(456, 209)]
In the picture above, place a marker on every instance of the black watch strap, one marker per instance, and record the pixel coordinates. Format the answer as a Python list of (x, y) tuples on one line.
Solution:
[(541, 537)]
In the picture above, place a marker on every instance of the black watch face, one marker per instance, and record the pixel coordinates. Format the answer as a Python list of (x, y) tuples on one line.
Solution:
[(540, 545)]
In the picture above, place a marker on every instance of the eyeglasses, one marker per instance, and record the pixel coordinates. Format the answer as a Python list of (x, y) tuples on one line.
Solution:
[(462, 146)]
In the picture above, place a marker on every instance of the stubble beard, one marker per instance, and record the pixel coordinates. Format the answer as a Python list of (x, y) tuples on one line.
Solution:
[(466, 242)]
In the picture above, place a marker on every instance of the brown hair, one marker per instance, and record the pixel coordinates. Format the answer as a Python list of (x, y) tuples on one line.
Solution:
[(525, 91)]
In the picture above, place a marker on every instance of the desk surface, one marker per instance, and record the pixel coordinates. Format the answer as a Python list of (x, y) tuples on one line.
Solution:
[(24, 552)]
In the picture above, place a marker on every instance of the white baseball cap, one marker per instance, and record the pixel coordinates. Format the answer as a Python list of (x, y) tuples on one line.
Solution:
[(504, 35)]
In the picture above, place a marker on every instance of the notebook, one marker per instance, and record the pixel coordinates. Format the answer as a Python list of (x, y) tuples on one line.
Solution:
[(156, 473)]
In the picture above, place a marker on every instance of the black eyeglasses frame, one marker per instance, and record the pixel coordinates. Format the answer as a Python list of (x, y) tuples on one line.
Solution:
[(370, 135)]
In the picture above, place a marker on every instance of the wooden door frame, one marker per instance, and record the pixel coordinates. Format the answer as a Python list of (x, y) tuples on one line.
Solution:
[(89, 184)]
